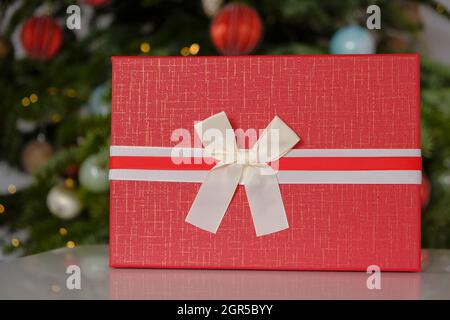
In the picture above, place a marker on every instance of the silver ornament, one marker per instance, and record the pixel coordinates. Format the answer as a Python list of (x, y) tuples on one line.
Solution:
[(63, 202), (211, 7), (99, 103), (93, 174), (25, 125)]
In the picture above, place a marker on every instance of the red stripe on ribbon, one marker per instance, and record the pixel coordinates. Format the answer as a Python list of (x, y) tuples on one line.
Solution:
[(287, 163)]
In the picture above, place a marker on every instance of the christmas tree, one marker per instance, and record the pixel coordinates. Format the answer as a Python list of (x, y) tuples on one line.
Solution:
[(55, 94)]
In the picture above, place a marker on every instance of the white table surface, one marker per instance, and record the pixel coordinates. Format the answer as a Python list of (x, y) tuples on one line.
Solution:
[(43, 276)]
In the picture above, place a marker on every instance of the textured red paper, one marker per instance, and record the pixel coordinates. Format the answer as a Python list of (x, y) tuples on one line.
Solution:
[(330, 101)]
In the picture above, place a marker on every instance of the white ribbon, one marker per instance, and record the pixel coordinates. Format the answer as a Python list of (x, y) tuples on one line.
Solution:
[(246, 166)]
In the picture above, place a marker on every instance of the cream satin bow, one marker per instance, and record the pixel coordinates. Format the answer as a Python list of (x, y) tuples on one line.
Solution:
[(248, 167)]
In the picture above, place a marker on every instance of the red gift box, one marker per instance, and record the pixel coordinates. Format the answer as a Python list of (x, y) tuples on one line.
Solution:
[(350, 188)]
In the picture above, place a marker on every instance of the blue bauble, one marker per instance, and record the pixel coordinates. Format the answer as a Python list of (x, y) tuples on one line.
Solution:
[(99, 103), (352, 40)]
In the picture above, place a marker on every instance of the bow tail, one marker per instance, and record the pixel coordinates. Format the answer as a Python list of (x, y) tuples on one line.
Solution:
[(214, 196), (264, 198)]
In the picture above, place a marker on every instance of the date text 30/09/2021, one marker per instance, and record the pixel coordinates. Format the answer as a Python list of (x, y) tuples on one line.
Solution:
[(232, 309)]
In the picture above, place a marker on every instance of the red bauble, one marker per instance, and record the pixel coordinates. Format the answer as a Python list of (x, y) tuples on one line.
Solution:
[(71, 171), (41, 37), (425, 191), (236, 29)]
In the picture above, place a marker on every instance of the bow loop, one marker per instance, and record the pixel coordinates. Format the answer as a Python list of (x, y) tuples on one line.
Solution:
[(276, 140), (217, 137), (246, 166)]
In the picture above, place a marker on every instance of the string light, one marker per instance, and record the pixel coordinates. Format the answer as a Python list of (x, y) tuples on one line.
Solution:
[(2, 209), (145, 47), (62, 231), (194, 48), (56, 117), (12, 189), (26, 101), (70, 244), (69, 183), (52, 90), (15, 242), (184, 51), (71, 93), (33, 98)]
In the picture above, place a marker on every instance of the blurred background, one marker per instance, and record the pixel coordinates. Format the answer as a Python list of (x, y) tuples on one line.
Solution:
[(55, 91)]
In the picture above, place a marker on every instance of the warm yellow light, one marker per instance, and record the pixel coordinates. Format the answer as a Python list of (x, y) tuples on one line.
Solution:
[(56, 117), (145, 47), (33, 98), (70, 244), (184, 51), (69, 183), (15, 242), (26, 102), (63, 231), (194, 48), (2, 208), (52, 90), (71, 93), (12, 189)]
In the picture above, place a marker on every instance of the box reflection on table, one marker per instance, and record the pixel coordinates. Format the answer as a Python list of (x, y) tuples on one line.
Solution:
[(240, 284)]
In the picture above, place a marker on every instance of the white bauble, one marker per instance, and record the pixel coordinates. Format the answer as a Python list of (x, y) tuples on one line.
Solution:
[(63, 202), (211, 7)]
